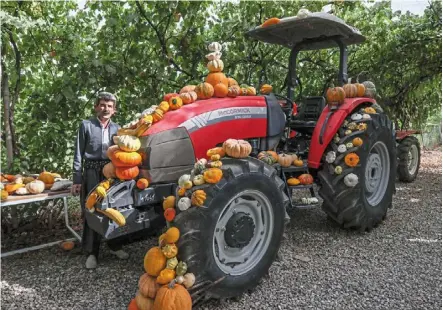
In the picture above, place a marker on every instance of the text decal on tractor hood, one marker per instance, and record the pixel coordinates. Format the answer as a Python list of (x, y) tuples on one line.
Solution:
[(223, 115)]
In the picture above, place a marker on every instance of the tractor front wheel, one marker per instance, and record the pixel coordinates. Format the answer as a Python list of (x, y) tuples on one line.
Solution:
[(408, 153), (358, 193)]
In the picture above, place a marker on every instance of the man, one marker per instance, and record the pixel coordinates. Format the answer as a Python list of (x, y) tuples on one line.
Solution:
[(93, 140)]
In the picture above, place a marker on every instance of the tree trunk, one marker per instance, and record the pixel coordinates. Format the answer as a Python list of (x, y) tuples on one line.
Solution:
[(7, 110)]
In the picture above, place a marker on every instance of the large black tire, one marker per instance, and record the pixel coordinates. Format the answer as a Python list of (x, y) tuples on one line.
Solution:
[(355, 207), (197, 226), (408, 167)]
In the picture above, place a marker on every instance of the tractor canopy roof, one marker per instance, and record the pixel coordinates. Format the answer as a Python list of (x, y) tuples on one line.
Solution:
[(310, 31)]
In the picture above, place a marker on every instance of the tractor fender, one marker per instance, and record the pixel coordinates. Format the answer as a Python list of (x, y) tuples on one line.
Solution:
[(331, 123), (401, 134)]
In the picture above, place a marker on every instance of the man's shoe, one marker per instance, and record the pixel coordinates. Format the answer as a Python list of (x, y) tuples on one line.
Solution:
[(120, 254), (91, 262)]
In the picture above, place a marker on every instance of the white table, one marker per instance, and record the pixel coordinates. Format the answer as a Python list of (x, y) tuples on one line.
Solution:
[(47, 195)]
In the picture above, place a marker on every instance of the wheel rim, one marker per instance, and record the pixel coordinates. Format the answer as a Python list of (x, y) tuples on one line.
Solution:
[(240, 260), (377, 173), (412, 159)]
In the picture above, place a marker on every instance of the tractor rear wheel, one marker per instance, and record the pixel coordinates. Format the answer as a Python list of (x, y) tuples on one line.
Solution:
[(408, 154), (362, 205), (237, 233)]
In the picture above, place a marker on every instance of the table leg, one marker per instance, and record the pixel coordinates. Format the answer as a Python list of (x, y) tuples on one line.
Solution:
[(65, 203)]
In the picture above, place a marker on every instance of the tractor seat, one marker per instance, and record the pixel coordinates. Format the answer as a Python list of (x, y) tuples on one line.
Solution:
[(309, 111)]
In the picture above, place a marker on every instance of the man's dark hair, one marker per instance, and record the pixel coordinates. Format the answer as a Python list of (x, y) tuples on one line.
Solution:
[(107, 97)]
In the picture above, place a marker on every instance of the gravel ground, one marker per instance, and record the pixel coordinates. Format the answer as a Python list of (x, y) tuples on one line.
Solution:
[(396, 266)]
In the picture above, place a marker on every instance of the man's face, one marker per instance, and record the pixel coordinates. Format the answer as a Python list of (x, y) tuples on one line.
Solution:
[(105, 109)]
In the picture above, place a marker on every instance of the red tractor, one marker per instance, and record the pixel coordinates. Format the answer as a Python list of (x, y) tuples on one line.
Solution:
[(231, 241)]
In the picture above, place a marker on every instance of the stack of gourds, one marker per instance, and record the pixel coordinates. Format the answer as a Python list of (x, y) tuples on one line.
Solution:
[(336, 95), (124, 156)]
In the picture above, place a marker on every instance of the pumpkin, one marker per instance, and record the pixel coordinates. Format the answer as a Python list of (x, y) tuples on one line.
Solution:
[(293, 181), (349, 145), (285, 160), (175, 103), (204, 91), (172, 235), (67, 245), (109, 171), (22, 191), (366, 116), (352, 126), (181, 269), (164, 106), (350, 90), (270, 22), (157, 115), (133, 305), (330, 157), (169, 202), (35, 187), (169, 96), (215, 157), (127, 173), (216, 151), (128, 143), (200, 165), (48, 185), (251, 91), (216, 77), (214, 164), (148, 286), (215, 47), (92, 199), (370, 90), (352, 159), (198, 198), (181, 191), (267, 157), (46, 177), (370, 110), (360, 89), (169, 214), (12, 187), (266, 89), (154, 261), (362, 126), (356, 117), (125, 159), (101, 191), (189, 280), (170, 250), (187, 89), (351, 180), (338, 170), (27, 180), (348, 132), (220, 90), (144, 303), (233, 91), (232, 82), (212, 175), (185, 181), (4, 195), (9, 177), (306, 179), (161, 240), (357, 141), (198, 180), (172, 263), (341, 148), (188, 98), (142, 183), (298, 163), (184, 203), (173, 297), (179, 279), (215, 65), (335, 95), (237, 148)]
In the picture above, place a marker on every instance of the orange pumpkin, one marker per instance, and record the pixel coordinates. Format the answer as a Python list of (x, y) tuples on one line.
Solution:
[(46, 177), (92, 199), (352, 159), (109, 171), (175, 103), (220, 90), (251, 91), (270, 22), (12, 187), (165, 276), (169, 214), (336, 95), (306, 179), (172, 235), (157, 115), (214, 78), (298, 163), (293, 181), (126, 159), (169, 202), (232, 82), (142, 183), (148, 286), (127, 173), (133, 305), (174, 297), (215, 151), (198, 198), (212, 175), (357, 141), (360, 89), (144, 303), (181, 191), (204, 91), (67, 245), (233, 91), (154, 261), (350, 90), (266, 89), (187, 89), (237, 148)]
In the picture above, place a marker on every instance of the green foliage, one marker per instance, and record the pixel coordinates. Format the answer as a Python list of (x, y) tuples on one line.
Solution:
[(142, 50)]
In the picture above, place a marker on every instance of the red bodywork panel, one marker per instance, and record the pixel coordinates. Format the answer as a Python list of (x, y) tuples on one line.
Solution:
[(215, 120), (401, 134), (316, 149)]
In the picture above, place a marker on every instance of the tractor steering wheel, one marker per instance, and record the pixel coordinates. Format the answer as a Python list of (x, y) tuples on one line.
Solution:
[(288, 107)]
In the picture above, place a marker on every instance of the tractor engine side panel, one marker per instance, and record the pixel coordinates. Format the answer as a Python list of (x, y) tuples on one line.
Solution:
[(334, 122)]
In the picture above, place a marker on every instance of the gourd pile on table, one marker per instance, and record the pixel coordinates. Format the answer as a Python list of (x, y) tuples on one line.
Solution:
[(31, 184)]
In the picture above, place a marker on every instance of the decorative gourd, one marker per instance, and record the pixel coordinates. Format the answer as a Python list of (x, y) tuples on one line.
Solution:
[(330, 157), (157, 115), (232, 82), (215, 65), (204, 90), (142, 183), (67, 245), (233, 91), (293, 181), (266, 158), (237, 148), (366, 116), (351, 180), (101, 191), (128, 143), (216, 77), (306, 179), (181, 191), (337, 139), (46, 177), (189, 280), (114, 215), (266, 89), (154, 261), (27, 180), (251, 91), (214, 164), (298, 163), (335, 95), (133, 305), (370, 110), (215, 157), (348, 132), (285, 160), (352, 126), (362, 126), (338, 170), (148, 286), (349, 145), (214, 56), (270, 22), (220, 90), (169, 214), (170, 250), (127, 173), (198, 198), (356, 117), (169, 96), (166, 276), (370, 90), (181, 269), (352, 159), (198, 180), (216, 151), (12, 187), (212, 175), (341, 148), (172, 263), (169, 202), (200, 165), (109, 171), (175, 103), (125, 159), (185, 181), (35, 187), (215, 47), (92, 199), (350, 90), (184, 203), (187, 98), (161, 240), (173, 297), (179, 279), (360, 89), (357, 141), (22, 191), (106, 184), (172, 235), (144, 303), (187, 89), (164, 106), (4, 195)]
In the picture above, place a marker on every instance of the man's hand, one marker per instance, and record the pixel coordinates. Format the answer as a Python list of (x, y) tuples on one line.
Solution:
[(75, 189)]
